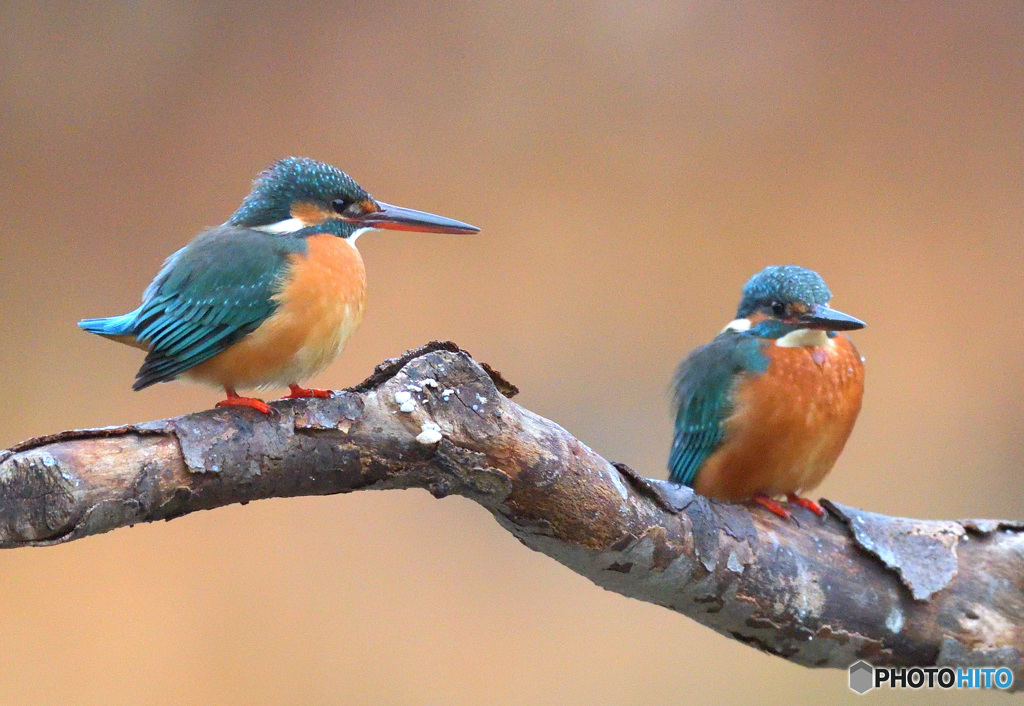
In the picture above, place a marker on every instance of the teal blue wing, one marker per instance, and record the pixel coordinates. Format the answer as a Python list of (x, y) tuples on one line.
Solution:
[(209, 295), (704, 386)]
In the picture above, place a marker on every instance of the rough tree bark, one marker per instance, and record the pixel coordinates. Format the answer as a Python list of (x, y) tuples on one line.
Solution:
[(822, 593)]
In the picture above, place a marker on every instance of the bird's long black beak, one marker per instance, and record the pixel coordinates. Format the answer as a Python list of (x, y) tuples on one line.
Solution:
[(397, 218), (826, 319)]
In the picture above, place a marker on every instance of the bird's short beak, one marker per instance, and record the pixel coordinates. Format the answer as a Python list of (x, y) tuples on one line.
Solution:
[(397, 218), (826, 319)]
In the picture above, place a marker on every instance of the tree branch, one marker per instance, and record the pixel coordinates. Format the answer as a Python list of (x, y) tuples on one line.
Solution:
[(822, 593)]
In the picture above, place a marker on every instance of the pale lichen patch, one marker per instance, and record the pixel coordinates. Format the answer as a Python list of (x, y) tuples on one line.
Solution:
[(430, 434)]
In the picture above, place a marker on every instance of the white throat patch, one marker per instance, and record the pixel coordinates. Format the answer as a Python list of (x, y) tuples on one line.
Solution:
[(359, 231), (293, 225), (738, 325), (804, 337), (288, 225)]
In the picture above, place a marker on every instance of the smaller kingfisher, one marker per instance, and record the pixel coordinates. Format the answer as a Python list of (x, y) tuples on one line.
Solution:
[(765, 408), (270, 297)]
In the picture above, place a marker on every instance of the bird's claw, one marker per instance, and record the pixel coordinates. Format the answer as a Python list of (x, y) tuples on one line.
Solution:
[(250, 402), (773, 506), (806, 503), (297, 392)]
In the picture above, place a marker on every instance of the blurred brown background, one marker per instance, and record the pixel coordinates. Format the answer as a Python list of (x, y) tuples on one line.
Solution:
[(631, 164)]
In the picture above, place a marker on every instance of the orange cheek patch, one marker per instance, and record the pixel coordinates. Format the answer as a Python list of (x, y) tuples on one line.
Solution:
[(308, 213)]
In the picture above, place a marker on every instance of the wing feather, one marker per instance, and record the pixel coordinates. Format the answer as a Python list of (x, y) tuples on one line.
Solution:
[(209, 295), (704, 386)]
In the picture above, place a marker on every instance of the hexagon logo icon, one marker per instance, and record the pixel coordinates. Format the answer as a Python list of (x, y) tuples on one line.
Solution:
[(862, 677)]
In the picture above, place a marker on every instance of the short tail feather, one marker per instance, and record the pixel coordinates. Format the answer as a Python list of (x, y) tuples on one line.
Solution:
[(123, 325)]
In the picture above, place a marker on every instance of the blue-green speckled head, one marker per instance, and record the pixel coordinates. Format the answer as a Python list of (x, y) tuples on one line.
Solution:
[(303, 197), (780, 287), (296, 180)]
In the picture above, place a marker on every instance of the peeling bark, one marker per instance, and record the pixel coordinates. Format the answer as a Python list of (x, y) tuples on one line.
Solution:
[(819, 592)]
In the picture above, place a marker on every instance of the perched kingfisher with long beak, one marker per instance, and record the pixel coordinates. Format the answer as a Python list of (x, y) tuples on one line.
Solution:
[(765, 408), (270, 297)]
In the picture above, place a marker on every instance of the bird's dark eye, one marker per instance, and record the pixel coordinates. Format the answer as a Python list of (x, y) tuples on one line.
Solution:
[(349, 209), (778, 309)]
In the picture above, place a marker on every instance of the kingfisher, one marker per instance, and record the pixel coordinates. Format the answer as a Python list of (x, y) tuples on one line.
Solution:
[(765, 408), (270, 297)]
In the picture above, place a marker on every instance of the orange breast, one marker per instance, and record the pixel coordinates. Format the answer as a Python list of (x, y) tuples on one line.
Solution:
[(790, 423), (320, 305)]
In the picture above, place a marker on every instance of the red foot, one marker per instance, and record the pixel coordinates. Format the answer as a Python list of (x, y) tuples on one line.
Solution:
[(806, 503), (773, 506), (234, 400), (297, 392)]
